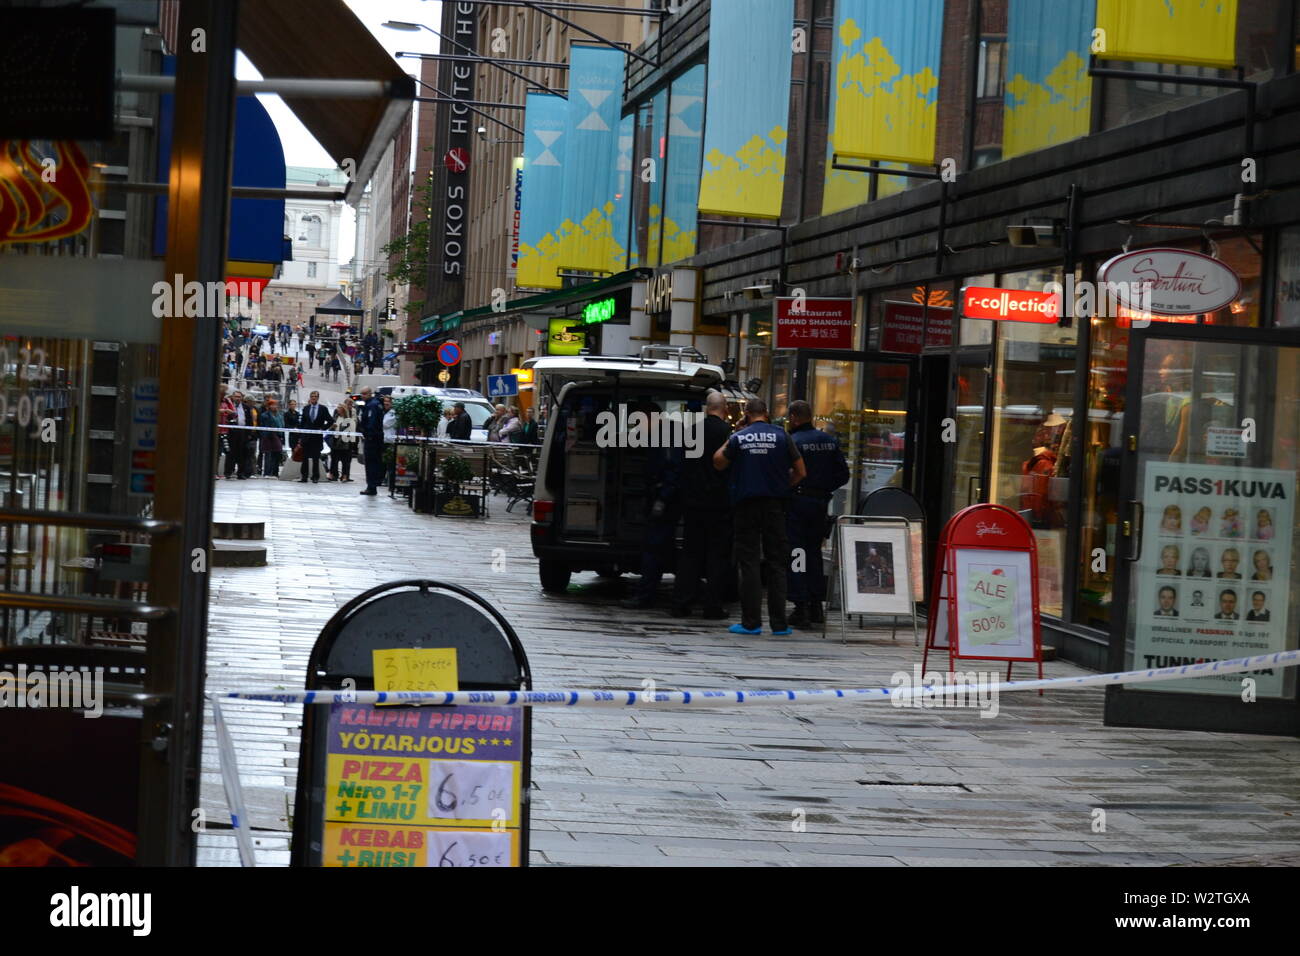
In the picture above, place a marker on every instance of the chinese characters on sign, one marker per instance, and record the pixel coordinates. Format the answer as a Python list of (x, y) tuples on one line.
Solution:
[(814, 323)]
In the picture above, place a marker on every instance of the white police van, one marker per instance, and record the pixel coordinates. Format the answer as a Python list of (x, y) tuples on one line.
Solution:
[(590, 500)]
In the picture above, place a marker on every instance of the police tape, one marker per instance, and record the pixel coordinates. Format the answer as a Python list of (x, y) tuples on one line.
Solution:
[(355, 435), (729, 698)]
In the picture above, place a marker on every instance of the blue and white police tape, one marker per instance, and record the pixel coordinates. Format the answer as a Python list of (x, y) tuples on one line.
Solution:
[(355, 434), (731, 698)]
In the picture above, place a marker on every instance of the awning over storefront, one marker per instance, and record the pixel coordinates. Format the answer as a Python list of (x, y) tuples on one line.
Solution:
[(355, 131), (544, 304)]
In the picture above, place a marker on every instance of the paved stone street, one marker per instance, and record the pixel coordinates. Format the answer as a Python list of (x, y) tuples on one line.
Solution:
[(875, 785)]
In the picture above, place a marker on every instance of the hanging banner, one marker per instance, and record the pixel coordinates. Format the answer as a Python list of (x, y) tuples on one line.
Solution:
[(586, 239), (512, 259), (886, 88), (544, 126), (1196, 32), (682, 181), (748, 105), (655, 187), (1048, 97), (1214, 578)]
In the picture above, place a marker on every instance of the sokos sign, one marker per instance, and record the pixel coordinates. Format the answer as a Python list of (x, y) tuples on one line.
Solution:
[(1172, 281)]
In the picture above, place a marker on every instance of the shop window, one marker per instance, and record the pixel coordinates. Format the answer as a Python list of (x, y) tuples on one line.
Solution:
[(1033, 412), (1286, 282)]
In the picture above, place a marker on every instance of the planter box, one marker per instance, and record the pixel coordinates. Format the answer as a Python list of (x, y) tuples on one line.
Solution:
[(457, 504)]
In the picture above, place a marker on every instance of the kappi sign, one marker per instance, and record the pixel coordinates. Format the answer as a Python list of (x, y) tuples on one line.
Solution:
[(1173, 281)]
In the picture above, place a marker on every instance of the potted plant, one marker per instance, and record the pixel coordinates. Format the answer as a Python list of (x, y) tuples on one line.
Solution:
[(418, 413), (451, 500)]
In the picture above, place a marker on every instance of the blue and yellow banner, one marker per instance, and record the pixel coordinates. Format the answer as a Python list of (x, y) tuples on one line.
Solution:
[(587, 239), (1196, 32), (748, 105), (682, 181), (545, 119), (886, 91), (1048, 91)]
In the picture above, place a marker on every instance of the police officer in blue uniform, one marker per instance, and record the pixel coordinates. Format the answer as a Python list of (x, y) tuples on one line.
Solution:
[(765, 465), (806, 524)]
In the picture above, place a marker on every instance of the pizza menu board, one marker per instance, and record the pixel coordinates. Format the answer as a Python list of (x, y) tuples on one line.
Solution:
[(423, 786), (1214, 577)]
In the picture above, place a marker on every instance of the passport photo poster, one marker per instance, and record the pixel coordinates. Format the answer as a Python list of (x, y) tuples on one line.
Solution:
[(1214, 575), (995, 604)]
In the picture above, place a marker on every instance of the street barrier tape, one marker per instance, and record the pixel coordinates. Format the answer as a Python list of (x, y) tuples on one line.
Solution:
[(330, 433), (696, 698), (730, 698)]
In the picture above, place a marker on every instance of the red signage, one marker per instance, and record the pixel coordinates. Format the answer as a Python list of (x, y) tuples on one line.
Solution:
[(1010, 305), (906, 329), (457, 159), (803, 323)]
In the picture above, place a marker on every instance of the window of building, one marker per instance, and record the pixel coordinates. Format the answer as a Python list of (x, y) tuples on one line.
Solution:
[(311, 270), (311, 229), (990, 77)]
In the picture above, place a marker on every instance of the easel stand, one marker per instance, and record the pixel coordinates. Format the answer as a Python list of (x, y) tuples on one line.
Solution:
[(975, 540), (840, 567)]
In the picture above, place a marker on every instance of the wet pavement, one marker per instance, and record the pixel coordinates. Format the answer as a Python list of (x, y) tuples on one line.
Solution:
[(863, 784)]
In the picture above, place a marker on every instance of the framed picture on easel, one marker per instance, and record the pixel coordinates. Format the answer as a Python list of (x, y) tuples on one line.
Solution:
[(875, 568)]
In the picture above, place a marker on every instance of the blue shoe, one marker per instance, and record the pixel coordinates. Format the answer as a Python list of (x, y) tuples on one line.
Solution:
[(741, 629), (784, 633)]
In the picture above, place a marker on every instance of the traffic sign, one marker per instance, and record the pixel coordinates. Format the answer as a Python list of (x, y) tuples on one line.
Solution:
[(444, 376), (502, 386), (449, 353)]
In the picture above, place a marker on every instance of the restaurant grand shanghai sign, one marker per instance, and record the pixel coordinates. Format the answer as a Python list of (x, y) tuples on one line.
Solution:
[(1171, 281)]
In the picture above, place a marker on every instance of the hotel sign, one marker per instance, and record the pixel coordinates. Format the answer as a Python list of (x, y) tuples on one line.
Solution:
[(458, 142)]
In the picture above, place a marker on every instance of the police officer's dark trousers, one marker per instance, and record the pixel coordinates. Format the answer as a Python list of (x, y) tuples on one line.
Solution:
[(761, 535), (706, 553), (806, 528)]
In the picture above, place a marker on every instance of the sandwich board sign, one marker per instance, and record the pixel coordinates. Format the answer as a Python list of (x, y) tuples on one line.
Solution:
[(986, 582)]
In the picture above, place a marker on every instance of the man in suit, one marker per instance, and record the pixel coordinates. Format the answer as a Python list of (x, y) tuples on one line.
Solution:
[(314, 422), (242, 442), (372, 434)]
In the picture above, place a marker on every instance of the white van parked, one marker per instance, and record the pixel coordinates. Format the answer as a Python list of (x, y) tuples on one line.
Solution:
[(590, 502)]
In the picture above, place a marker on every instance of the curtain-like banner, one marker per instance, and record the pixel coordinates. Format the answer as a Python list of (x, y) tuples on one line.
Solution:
[(587, 240), (655, 187), (886, 88), (1197, 32), (1048, 91), (748, 105), (685, 136), (545, 118)]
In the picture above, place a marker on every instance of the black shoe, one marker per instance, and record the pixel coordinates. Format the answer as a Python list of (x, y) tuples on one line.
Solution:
[(714, 614), (816, 612), (799, 618), (368, 491), (302, 481), (679, 611)]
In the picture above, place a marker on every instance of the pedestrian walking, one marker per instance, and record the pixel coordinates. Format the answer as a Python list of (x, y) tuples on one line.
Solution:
[(372, 434), (663, 509), (511, 426), (704, 564), (335, 367), (311, 353), (343, 439), (807, 524), (495, 422), (765, 465), (271, 444), (528, 433), (314, 423)]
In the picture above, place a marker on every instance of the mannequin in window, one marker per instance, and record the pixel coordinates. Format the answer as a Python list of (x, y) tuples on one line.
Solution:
[(1037, 475)]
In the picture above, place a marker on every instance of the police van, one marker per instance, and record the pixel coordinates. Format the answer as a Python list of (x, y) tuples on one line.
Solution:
[(591, 498)]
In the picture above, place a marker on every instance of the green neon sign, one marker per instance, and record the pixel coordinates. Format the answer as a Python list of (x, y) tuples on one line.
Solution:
[(600, 311)]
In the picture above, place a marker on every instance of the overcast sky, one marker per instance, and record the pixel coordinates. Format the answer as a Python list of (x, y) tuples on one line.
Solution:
[(300, 147)]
